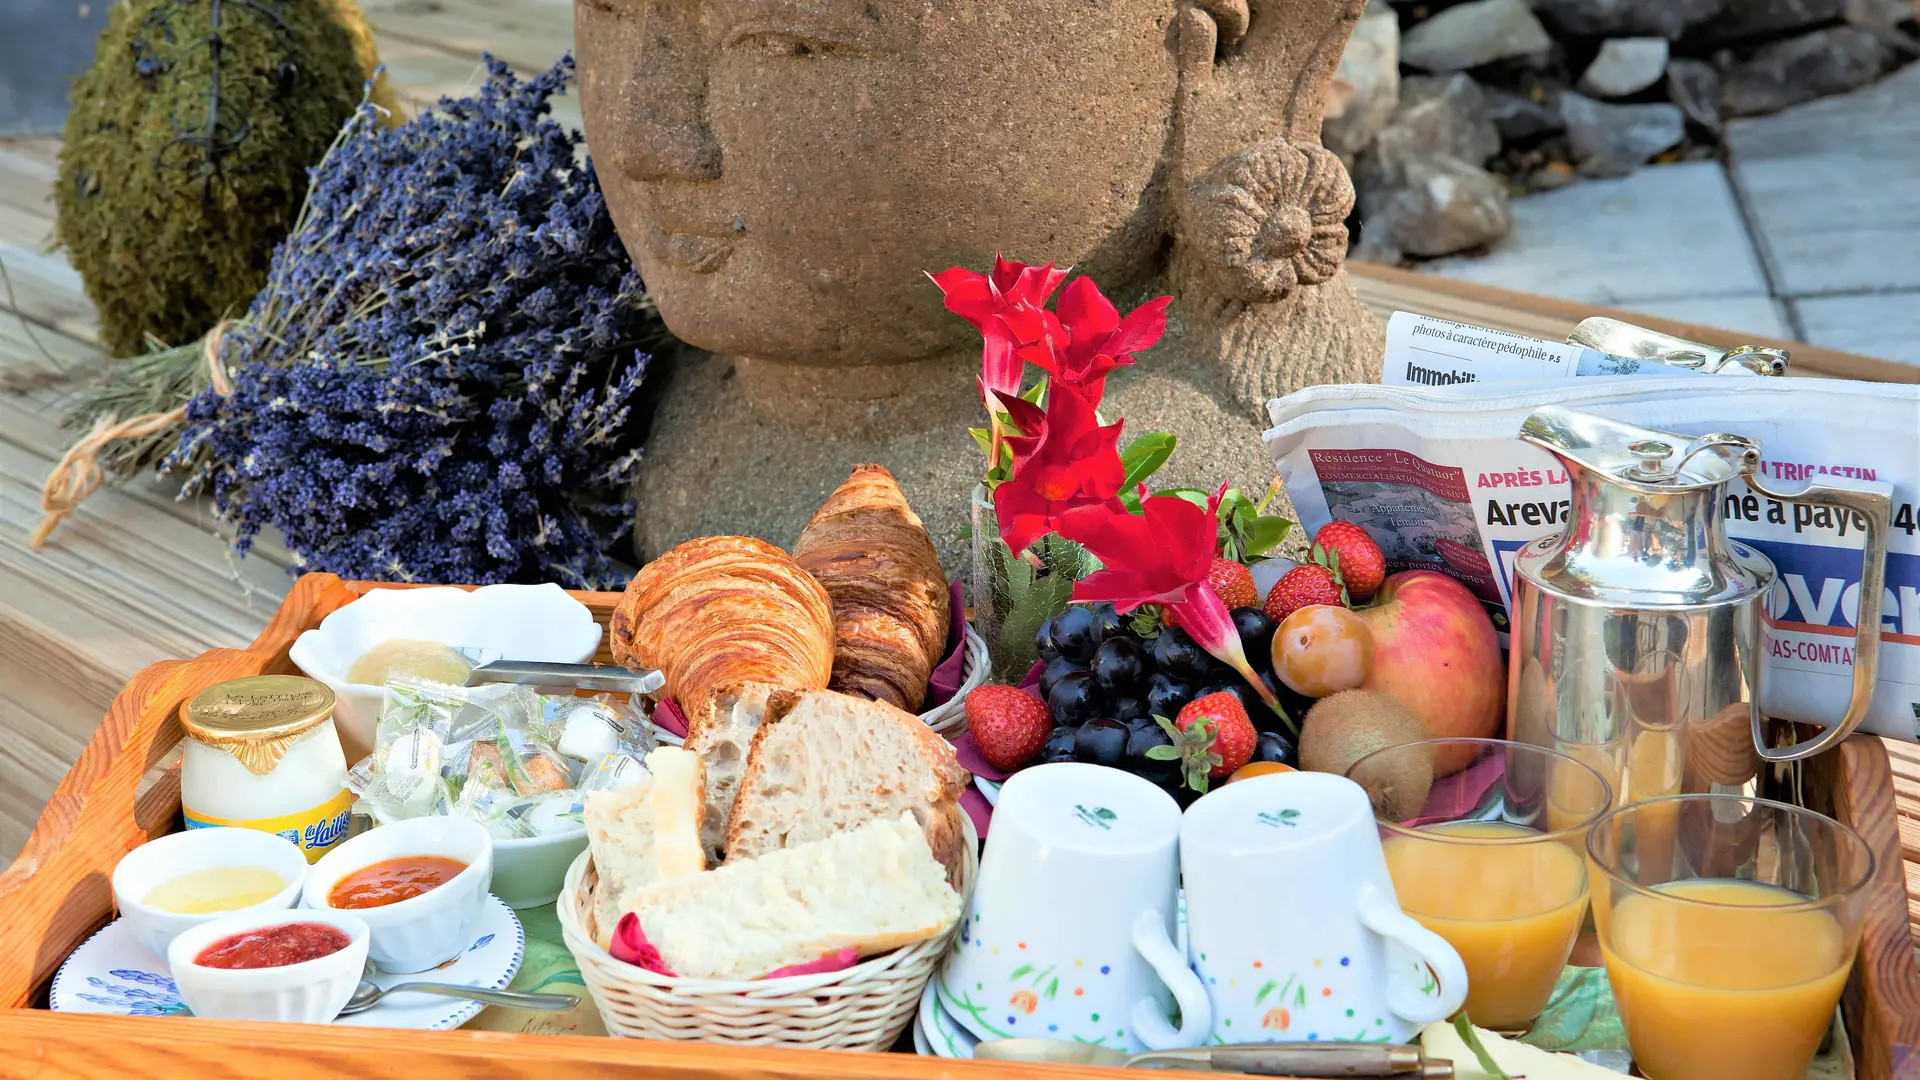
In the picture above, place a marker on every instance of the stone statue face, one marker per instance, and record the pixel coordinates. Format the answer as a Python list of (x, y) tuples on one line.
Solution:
[(781, 170)]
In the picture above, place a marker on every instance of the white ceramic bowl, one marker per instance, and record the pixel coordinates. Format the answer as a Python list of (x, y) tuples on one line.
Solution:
[(529, 871), (538, 623), (427, 930), (156, 862), (312, 992)]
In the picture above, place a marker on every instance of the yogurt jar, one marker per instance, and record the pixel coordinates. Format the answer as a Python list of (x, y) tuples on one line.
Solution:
[(261, 753)]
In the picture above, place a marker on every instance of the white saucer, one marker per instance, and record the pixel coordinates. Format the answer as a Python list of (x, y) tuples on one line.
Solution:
[(113, 973), (935, 1034)]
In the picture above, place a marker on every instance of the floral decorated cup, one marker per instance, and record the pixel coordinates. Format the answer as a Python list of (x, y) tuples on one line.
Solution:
[(1292, 921), (1069, 934)]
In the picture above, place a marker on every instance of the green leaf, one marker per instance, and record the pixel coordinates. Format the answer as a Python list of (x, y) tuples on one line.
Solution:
[(1472, 1038), (1021, 972), (1130, 500), (1192, 495), (1144, 456), (1146, 621), (982, 438), (1033, 395), (1264, 534), (1163, 753)]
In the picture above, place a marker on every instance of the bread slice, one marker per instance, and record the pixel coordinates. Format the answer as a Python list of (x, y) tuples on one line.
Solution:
[(831, 762), (723, 736), (872, 888), (647, 833)]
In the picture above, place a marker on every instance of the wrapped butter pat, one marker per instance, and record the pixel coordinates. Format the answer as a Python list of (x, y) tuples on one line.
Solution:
[(410, 765), (591, 730), (612, 772)]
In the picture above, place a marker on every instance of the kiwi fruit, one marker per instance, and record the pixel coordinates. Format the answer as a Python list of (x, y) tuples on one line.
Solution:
[(1342, 728)]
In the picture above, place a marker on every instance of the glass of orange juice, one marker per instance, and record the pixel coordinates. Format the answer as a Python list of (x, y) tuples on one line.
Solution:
[(1491, 857), (1728, 926)]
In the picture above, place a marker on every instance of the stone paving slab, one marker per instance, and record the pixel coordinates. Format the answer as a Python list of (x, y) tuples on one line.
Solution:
[(1886, 325), (1833, 188), (1758, 315), (1661, 234)]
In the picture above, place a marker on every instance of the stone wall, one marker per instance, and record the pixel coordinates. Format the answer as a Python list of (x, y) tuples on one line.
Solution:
[(1445, 111)]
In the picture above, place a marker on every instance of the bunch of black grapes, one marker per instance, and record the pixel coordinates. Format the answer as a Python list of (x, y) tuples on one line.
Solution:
[(1104, 683)]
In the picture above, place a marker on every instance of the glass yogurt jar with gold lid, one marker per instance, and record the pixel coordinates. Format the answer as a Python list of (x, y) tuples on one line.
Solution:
[(261, 753)]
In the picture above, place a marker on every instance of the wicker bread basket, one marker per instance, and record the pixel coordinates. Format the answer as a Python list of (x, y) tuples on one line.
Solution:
[(950, 718), (864, 1007)]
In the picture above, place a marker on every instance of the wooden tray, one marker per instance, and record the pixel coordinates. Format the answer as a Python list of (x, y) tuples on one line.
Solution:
[(58, 892)]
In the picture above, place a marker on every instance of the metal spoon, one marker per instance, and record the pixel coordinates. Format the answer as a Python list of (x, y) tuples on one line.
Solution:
[(367, 995), (1258, 1059)]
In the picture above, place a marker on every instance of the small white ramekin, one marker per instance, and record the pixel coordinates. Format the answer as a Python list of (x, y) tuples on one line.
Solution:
[(312, 992), (427, 930), (159, 861)]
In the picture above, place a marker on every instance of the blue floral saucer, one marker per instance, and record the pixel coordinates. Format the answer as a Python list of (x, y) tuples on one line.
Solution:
[(113, 973)]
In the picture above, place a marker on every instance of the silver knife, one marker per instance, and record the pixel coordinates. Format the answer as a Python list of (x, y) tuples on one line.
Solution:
[(579, 676)]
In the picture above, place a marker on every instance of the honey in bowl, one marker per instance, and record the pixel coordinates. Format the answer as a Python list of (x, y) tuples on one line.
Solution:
[(405, 656), (274, 946), (392, 881), (215, 889)]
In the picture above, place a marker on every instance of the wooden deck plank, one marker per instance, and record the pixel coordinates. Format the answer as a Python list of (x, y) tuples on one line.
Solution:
[(529, 34)]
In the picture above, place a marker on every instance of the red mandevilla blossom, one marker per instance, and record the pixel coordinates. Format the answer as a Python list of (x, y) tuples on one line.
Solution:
[(980, 298), (1063, 460), (1085, 339), (1161, 556)]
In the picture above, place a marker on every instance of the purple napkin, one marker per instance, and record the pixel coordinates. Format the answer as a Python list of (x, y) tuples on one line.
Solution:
[(667, 714), (952, 670)]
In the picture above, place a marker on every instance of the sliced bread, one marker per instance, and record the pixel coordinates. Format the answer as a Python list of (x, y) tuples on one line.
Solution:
[(830, 762), (723, 735), (872, 888), (646, 833)]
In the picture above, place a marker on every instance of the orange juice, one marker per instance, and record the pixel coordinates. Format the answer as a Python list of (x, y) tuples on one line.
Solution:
[(1510, 909), (1728, 989)]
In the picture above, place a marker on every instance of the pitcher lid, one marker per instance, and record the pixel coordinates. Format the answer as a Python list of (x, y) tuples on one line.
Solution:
[(1636, 456)]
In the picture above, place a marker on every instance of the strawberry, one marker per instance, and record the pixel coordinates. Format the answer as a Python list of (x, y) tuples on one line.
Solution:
[(1008, 724), (1212, 737), (1234, 582), (1348, 550), (1303, 586)]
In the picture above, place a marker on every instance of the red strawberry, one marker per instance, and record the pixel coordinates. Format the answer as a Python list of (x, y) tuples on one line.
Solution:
[(1348, 549), (1234, 582), (1008, 724), (1211, 738), (1303, 586)]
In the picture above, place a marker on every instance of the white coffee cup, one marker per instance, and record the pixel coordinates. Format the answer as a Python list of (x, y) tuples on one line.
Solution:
[(1292, 922), (1069, 934)]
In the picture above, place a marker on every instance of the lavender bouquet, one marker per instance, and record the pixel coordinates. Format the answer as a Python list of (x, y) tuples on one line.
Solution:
[(434, 383)]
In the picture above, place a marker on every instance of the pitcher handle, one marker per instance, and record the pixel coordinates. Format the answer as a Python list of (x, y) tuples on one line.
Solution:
[(1445, 991), (1876, 509), (1196, 1012)]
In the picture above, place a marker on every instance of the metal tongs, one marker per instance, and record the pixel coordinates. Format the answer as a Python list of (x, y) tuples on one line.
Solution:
[(1618, 338), (608, 677)]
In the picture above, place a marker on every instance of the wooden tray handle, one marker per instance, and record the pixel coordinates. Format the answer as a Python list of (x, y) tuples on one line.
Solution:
[(61, 885)]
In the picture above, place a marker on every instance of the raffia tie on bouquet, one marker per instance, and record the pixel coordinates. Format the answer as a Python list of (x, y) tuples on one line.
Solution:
[(78, 474)]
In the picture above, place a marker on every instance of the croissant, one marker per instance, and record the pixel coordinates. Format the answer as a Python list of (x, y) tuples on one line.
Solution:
[(723, 612), (890, 607)]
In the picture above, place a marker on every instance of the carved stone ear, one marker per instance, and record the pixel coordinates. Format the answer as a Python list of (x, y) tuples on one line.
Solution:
[(1270, 218)]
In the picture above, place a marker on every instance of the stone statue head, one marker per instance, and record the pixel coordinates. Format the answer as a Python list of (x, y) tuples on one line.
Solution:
[(781, 169)]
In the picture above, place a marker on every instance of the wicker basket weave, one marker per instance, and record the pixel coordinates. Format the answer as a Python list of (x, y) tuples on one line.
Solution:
[(950, 718), (864, 1007)]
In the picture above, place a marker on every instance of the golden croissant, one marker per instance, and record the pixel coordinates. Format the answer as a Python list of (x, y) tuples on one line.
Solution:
[(723, 612), (890, 604)]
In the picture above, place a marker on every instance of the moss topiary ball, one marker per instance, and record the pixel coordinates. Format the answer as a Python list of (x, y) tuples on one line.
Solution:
[(186, 154)]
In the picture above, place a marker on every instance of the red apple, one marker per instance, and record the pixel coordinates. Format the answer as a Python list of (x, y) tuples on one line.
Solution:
[(1435, 651)]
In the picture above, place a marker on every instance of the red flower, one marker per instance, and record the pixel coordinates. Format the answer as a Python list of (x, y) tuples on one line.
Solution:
[(1062, 460), (1085, 339), (980, 298), (1162, 556)]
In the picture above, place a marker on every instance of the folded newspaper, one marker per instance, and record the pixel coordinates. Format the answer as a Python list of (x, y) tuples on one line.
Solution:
[(1439, 477)]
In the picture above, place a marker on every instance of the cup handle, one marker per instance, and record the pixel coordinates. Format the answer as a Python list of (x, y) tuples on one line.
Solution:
[(1196, 1012), (1416, 1003)]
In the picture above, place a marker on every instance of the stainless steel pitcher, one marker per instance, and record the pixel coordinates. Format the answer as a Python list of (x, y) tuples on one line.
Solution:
[(1636, 634)]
